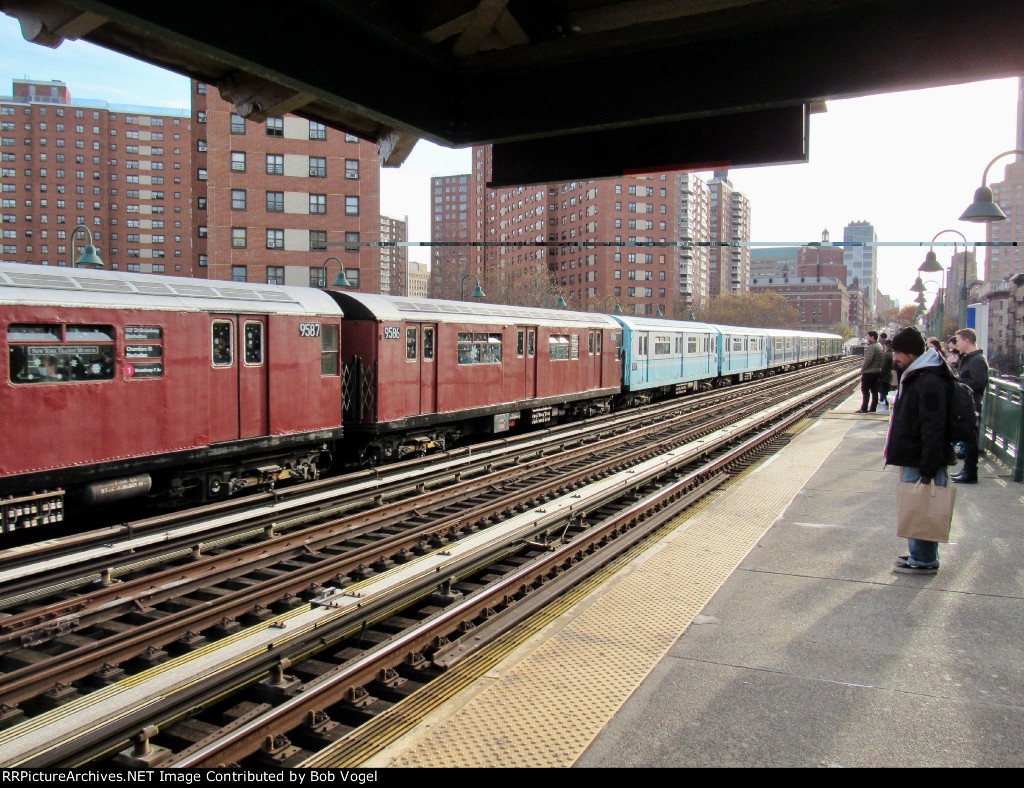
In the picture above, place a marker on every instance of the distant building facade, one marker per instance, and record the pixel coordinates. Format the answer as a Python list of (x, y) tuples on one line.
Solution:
[(418, 278), (394, 256), (860, 255), (121, 171), (642, 242), (729, 228), (275, 200)]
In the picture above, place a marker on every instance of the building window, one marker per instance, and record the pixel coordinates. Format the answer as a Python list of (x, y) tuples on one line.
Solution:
[(351, 242), (317, 240), (275, 164), (238, 237), (237, 124), (275, 274), (237, 161), (351, 206), (318, 203), (352, 169), (275, 127), (204, 260), (317, 131), (238, 199), (275, 202), (316, 276), (202, 174), (317, 167), (352, 274), (275, 240), (238, 273)]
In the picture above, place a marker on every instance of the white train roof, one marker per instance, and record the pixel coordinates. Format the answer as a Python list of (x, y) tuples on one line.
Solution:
[(44, 285), (639, 323), (369, 306)]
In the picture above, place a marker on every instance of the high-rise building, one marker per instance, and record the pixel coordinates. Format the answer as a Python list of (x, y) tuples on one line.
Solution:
[(394, 256), (860, 255), (274, 201), (729, 227), (640, 241), (1002, 255), (120, 171)]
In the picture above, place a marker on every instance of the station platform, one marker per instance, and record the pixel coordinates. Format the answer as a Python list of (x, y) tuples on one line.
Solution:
[(768, 629)]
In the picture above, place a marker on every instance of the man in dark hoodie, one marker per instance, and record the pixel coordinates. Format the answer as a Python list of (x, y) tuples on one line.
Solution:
[(918, 432), (973, 370)]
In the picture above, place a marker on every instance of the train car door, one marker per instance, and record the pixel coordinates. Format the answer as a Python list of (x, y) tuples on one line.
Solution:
[(428, 368), (530, 358), (238, 378), (594, 358), (253, 379)]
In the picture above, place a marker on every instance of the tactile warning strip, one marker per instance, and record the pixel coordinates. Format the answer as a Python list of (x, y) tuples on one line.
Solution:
[(544, 704)]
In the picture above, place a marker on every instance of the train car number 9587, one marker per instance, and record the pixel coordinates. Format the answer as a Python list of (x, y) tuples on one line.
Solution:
[(392, 332), (311, 330)]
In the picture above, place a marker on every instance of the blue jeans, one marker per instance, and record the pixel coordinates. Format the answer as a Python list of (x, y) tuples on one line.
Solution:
[(924, 553)]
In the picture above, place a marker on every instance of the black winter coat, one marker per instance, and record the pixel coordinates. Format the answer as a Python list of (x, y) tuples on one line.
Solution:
[(918, 432), (974, 372)]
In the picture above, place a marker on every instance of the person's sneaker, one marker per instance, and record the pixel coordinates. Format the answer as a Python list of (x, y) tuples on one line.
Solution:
[(916, 570), (902, 560)]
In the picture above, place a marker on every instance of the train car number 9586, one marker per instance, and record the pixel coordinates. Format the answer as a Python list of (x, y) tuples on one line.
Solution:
[(392, 332), (311, 330)]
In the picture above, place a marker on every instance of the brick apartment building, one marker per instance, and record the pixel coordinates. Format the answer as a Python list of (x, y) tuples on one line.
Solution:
[(121, 171), (818, 288), (275, 200), (640, 241)]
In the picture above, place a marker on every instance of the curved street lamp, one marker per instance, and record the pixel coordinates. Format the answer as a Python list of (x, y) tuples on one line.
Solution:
[(617, 310), (478, 293), (342, 280), (984, 209), (90, 257), (931, 264), (920, 287), (560, 303)]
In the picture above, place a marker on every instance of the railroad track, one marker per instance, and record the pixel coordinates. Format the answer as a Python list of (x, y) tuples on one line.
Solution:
[(310, 615)]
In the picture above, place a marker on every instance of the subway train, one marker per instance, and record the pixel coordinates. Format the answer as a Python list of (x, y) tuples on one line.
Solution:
[(121, 385)]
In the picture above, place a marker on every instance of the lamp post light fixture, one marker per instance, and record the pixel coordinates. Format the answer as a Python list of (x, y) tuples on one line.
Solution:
[(90, 257), (342, 280), (920, 287), (985, 209), (560, 303), (478, 293), (617, 310), (931, 264)]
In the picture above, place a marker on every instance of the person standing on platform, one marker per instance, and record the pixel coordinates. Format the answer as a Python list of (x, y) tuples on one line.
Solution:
[(885, 374), (869, 372), (972, 370), (918, 433)]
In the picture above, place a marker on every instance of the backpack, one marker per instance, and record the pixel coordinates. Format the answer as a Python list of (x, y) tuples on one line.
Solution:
[(963, 419)]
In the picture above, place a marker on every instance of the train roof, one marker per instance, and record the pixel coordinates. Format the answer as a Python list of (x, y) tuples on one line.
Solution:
[(639, 323), (369, 306), (32, 284)]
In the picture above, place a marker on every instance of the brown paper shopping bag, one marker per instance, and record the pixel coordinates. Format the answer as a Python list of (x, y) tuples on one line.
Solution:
[(924, 511)]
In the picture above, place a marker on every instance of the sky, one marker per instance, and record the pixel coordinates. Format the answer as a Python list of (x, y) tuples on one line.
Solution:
[(907, 162)]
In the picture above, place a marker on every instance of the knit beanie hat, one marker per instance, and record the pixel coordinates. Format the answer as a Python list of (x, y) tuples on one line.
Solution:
[(908, 340)]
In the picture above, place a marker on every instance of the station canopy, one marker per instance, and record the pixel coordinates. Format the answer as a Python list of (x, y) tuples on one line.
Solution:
[(564, 89)]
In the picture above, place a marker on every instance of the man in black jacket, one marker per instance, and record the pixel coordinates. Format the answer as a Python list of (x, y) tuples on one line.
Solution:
[(973, 370), (918, 439)]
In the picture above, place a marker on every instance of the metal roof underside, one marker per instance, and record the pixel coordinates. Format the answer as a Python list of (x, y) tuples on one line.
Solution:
[(564, 88)]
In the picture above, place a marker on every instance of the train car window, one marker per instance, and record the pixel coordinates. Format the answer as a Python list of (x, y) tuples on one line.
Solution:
[(599, 343), (428, 344), (479, 348), (617, 339), (691, 345), (662, 346), (590, 340), (737, 344), (778, 344), (520, 343), (329, 350), (222, 349), (574, 346), (42, 353), (559, 347), (531, 343), (411, 342), (253, 344)]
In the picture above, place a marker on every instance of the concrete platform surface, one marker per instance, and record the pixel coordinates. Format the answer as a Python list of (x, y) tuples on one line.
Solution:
[(815, 653)]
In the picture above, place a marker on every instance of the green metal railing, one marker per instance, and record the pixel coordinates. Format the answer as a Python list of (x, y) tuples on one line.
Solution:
[(1002, 424)]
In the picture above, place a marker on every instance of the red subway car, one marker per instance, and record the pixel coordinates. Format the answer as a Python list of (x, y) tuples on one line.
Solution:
[(116, 384), (423, 373)]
